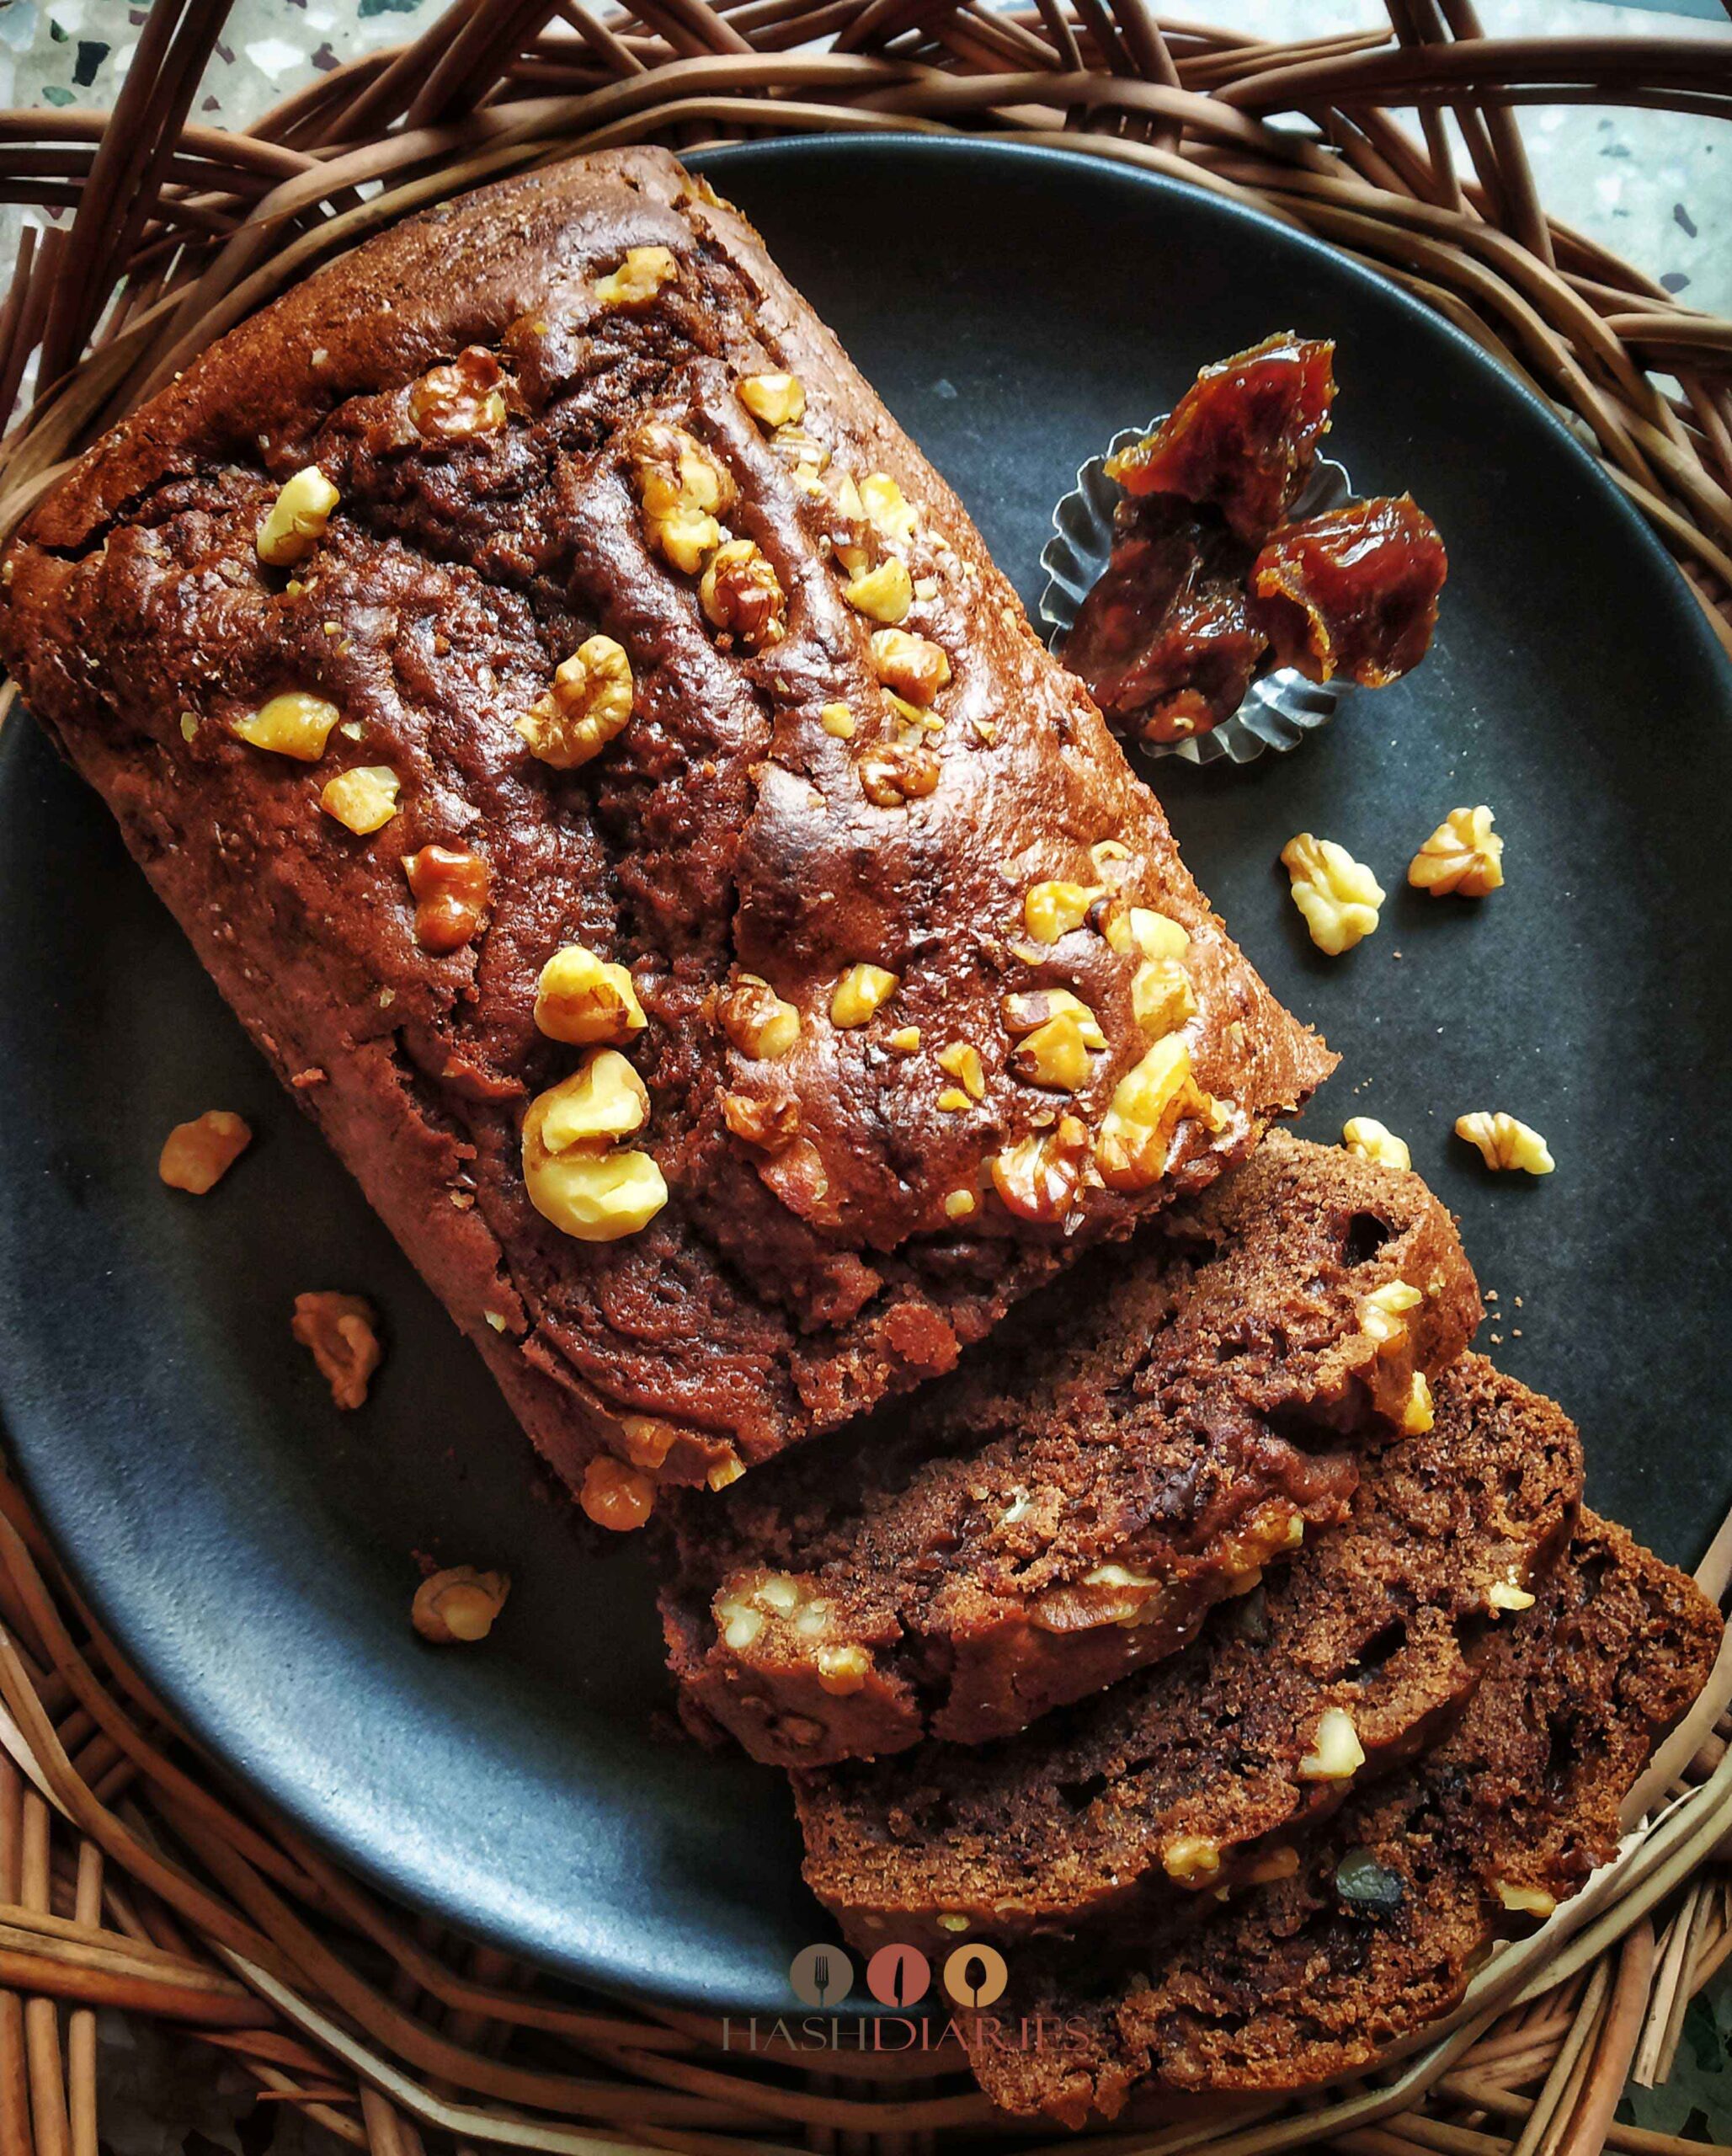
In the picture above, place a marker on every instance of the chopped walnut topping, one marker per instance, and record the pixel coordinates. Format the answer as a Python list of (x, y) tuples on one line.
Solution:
[(197, 1155), (461, 399), (1052, 909), (887, 509), (682, 490), (1338, 895), (577, 1175), (895, 771), (615, 1496), (583, 1000), (767, 1124), (1371, 1140), (742, 595), (757, 1021), (341, 1332), (362, 799), (884, 594), (450, 887), (590, 702), (912, 666), (960, 1060), (862, 992), (807, 455), (905, 1040), (638, 278), (296, 723), (1038, 1177), (837, 721), (961, 1205), (1504, 1143), (458, 1605), (1152, 1098), (1161, 995), (1055, 1055), (296, 519), (1463, 855), (1141, 930), (774, 400), (1027, 1009)]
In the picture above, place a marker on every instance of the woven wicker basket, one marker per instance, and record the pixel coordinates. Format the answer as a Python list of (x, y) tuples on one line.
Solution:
[(132, 1873)]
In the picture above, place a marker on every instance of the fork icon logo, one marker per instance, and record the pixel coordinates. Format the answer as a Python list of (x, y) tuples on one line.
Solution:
[(821, 1976)]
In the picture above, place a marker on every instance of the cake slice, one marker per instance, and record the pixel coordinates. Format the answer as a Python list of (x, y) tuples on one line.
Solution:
[(1165, 1424), (1399, 1900), (1202, 1773), (594, 754)]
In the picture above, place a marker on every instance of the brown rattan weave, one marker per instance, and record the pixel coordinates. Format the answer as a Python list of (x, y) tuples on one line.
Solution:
[(133, 1873)]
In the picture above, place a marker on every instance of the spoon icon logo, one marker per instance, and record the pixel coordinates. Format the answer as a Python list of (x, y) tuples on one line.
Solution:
[(976, 1976), (820, 1976)]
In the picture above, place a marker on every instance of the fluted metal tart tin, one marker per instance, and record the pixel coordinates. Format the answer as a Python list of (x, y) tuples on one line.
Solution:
[(1280, 708)]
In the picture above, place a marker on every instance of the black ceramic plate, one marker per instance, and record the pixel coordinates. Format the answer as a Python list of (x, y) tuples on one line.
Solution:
[(251, 1549)]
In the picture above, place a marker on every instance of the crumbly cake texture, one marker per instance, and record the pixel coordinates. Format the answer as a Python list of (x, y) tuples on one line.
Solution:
[(1202, 1773), (1401, 1898), (1166, 1420), (522, 406)]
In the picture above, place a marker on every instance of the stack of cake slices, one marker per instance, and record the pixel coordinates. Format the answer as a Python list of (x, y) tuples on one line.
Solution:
[(1230, 1649)]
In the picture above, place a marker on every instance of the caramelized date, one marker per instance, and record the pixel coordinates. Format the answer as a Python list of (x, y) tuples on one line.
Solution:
[(1353, 592), (1242, 437), (1164, 641)]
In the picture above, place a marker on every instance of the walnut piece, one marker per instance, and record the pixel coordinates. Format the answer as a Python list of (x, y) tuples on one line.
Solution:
[(1336, 1754), (1382, 1315), (583, 1000), (296, 723), (1338, 895), (1504, 1143), (1463, 855), (577, 1174), (1161, 996), (884, 594), (757, 1021), (638, 278), (1147, 1103), (774, 400), (1056, 1054), (296, 521), (1038, 1177), (896, 771), (461, 399), (362, 799), (887, 509), (1141, 930), (860, 994), (742, 595), (197, 1155), (914, 667), (1371, 1140), (960, 1060), (1420, 1412), (342, 1332), (614, 1496), (1053, 908), (458, 1606), (449, 886), (590, 702), (683, 491)]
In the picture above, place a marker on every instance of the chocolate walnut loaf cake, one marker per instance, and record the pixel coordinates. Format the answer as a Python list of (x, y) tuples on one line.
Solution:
[(595, 755), (1166, 1421), (1203, 1773), (1398, 1902)]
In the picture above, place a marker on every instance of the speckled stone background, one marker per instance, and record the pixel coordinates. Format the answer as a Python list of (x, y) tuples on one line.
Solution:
[(1655, 186)]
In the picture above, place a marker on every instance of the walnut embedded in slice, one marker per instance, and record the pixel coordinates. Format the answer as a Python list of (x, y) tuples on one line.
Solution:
[(588, 704)]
